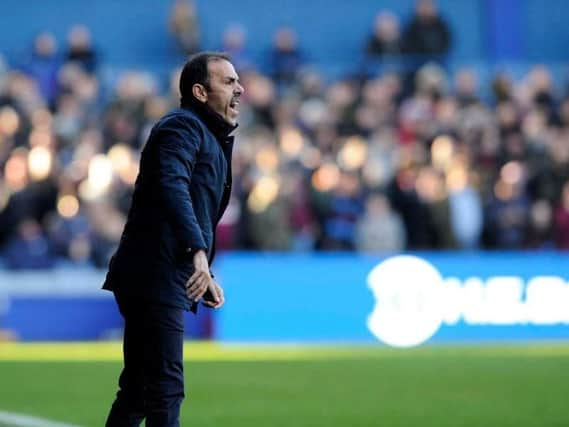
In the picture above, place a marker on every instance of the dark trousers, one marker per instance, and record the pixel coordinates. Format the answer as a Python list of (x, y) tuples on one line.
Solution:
[(151, 384)]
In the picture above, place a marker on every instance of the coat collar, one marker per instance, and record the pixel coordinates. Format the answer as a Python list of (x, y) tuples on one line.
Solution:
[(213, 121)]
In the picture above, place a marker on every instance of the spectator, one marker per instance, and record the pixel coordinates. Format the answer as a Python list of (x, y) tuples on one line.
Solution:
[(466, 210), (80, 50), (234, 39), (508, 215), (433, 196), (385, 40), (286, 57), (184, 26), (70, 232), (540, 227), (28, 248), (344, 208), (380, 229), (427, 35), (268, 210), (415, 214), (502, 88), (43, 67), (466, 88), (301, 215)]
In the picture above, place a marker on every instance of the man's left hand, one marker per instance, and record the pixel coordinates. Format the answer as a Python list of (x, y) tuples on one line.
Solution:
[(207, 300)]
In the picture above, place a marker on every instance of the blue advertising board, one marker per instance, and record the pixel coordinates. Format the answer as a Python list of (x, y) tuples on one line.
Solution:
[(397, 300), (403, 300), (68, 304)]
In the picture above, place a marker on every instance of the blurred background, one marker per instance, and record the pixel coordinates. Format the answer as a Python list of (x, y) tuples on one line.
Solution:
[(439, 128), (401, 178)]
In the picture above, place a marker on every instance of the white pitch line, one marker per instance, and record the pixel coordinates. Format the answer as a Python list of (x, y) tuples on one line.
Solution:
[(11, 419)]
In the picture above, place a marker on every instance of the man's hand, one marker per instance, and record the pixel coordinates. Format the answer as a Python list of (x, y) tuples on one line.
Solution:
[(209, 296), (200, 281)]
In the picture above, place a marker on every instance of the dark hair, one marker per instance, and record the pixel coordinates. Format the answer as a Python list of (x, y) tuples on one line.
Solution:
[(196, 71)]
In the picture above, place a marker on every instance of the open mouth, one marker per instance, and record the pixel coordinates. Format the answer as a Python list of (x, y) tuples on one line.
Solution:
[(234, 105)]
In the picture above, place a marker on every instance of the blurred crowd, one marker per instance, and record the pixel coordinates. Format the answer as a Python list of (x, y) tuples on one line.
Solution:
[(381, 160)]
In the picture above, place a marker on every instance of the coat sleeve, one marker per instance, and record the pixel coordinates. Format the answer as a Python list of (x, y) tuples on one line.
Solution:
[(178, 145)]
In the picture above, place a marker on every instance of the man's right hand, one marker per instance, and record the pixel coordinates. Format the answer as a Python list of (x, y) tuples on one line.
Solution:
[(201, 280)]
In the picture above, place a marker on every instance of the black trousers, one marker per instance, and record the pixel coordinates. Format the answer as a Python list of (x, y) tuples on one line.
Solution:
[(151, 384)]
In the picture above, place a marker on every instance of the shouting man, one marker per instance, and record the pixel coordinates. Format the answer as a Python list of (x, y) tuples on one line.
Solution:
[(162, 265)]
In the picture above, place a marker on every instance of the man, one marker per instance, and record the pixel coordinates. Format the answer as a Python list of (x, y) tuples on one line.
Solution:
[(161, 267), (385, 40), (427, 34)]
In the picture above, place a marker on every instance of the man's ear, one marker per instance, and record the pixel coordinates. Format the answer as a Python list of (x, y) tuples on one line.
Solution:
[(200, 93)]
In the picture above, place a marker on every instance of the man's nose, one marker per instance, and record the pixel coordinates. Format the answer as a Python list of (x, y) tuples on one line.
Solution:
[(239, 89)]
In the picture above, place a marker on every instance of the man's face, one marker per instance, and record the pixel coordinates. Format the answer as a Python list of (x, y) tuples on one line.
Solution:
[(426, 9), (224, 90)]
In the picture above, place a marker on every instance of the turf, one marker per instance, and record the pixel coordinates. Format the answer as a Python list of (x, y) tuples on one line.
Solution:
[(309, 387)]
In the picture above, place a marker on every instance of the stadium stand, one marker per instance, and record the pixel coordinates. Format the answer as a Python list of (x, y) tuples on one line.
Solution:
[(343, 145)]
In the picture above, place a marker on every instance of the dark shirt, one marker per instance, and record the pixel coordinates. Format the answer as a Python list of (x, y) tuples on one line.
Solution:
[(377, 47), (427, 37)]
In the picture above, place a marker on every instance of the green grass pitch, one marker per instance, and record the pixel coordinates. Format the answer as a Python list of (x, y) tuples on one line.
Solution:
[(285, 386)]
